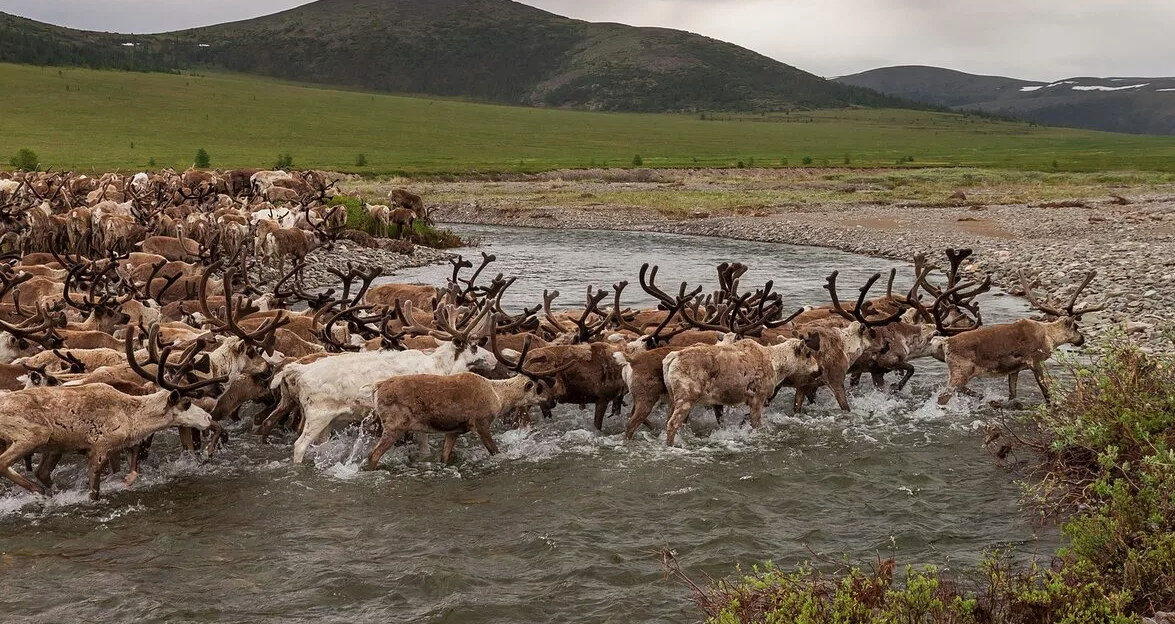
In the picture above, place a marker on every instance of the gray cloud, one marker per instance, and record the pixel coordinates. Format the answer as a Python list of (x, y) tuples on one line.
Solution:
[(1033, 39)]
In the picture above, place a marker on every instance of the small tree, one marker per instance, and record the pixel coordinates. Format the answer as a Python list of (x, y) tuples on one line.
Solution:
[(151, 163), (284, 161), (807, 160), (361, 160), (25, 159), (203, 161), (637, 161)]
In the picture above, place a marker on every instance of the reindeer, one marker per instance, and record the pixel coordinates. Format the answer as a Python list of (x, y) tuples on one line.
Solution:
[(1006, 349), (742, 373), (94, 419), (455, 404)]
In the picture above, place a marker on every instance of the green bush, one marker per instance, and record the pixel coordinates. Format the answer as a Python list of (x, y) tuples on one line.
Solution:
[(361, 160), (422, 233), (25, 159), (637, 161), (807, 160), (203, 161), (284, 161)]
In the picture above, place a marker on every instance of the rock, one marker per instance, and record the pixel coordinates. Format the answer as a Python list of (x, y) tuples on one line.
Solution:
[(1138, 327), (959, 196)]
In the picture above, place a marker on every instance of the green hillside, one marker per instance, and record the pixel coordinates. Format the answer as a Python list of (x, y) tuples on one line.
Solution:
[(488, 50), (85, 119)]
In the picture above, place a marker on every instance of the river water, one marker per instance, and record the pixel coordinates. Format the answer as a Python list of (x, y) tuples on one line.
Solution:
[(565, 525)]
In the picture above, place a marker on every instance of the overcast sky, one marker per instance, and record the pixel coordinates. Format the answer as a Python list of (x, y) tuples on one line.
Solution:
[(1030, 39)]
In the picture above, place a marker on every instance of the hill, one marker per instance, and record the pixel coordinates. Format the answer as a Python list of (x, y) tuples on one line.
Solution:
[(101, 120), (490, 50), (1135, 105)]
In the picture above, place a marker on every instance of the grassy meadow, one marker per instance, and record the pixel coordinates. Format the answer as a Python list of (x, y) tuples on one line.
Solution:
[(99, 120)]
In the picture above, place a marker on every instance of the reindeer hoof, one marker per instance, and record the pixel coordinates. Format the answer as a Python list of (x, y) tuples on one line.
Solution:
[(130, 479)]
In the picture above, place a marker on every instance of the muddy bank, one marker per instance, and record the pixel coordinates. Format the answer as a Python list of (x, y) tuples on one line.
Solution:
[(1132, 246)]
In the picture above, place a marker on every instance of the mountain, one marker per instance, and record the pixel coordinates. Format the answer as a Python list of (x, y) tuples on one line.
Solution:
[(490, 50), (1133, 105)]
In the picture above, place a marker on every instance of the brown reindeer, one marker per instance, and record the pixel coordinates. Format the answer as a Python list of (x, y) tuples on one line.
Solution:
[(1006, 349)]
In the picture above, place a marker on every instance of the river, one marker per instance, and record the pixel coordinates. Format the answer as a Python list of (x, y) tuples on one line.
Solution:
[(565, 525)]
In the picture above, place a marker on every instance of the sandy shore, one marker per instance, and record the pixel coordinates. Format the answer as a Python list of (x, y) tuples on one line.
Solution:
[(1126, 234)]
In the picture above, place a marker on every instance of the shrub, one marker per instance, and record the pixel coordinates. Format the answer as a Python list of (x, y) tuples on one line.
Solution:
[(741, 165), (848, 159), (284, 161), (807, 160), (637, 161), (783, 162), (422, 233), (361, 160), (203, 161), (25, 159), (151, 163)]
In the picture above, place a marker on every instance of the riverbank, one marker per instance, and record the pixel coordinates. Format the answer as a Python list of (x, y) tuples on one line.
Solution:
[(1055, 226)]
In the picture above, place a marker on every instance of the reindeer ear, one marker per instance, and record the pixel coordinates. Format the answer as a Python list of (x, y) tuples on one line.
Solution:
[(185, 404), (22, 344), (173, 398), (529, 386)]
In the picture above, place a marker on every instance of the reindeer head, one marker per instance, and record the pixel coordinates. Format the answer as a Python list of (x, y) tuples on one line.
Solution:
[(1062, 322)]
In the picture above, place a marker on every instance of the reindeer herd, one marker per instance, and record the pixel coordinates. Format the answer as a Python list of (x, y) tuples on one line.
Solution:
[(127, 307)]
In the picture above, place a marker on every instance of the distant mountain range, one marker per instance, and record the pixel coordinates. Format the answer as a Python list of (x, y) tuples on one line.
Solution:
[(1134, 105), (489, 50)]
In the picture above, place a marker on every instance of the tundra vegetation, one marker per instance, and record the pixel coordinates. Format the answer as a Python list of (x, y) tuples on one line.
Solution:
[(245, 120)]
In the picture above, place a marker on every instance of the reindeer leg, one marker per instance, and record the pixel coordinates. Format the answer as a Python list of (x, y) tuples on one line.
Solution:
[(676, 419), (48, 463), (837, 386), (617, 405), (757, 413), (186, 439), (718, 410), (96, 460), (447, 451), (483, 430), (878, 375), (386, 441), (280, 411), (957, 379), (601, 409), (137, 453), (855, 379), (17, 450), (315, 424), (422, 443), (798, 401), (907, 374), (641, 408), (1042, 382)]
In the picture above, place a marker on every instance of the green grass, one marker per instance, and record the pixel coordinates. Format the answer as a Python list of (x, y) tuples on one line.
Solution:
[(108, 120)]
